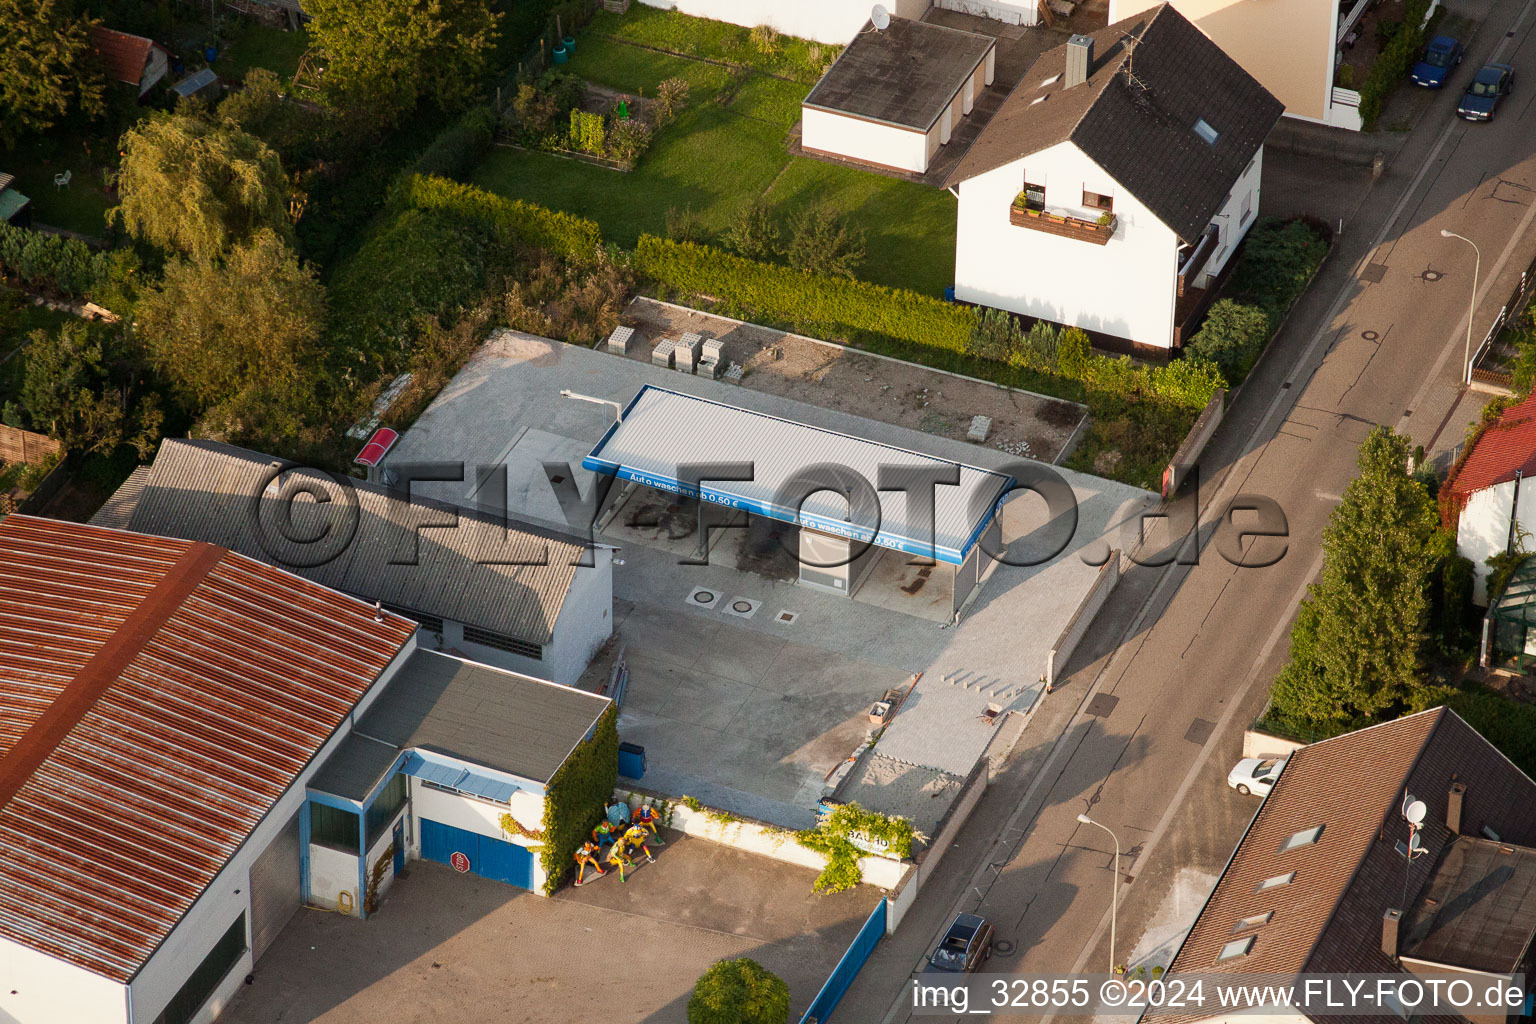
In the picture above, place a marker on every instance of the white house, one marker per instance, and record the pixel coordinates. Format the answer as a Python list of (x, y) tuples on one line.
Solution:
[(480, 583), (894, 96), (1115, 183), (182, 766), (1493, 494)]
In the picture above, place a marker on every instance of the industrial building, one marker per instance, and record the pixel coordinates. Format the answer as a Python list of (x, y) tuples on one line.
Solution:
[(185, 759)]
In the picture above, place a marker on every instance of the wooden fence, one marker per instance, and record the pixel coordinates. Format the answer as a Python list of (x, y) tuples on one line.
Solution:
[(17, 445)]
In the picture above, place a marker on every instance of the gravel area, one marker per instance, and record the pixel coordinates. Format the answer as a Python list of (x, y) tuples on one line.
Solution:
[(835, 377)]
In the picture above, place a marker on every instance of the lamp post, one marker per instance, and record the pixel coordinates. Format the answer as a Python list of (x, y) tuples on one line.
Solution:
[(1114, 892), (618, 410), (1477, 266)]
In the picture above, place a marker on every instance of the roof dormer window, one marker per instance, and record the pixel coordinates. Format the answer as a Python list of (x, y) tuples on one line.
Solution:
[(1253, 921), (1276, 881), (1306, 837), (1206, 132), (1235, 948)]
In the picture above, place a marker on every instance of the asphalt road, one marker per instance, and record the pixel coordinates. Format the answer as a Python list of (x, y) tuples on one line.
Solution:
[(1182, 656)]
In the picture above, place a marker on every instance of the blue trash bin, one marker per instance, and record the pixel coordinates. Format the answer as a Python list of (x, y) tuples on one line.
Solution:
[(631, 761), (949, 293)]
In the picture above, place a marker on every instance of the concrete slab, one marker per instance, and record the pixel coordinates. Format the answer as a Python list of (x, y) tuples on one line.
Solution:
[(447, 947)]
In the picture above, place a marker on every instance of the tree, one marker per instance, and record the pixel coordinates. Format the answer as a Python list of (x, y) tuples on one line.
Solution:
[(385, 56), (216, 329), (753, 233), (1232, 335), (46, 67), (1357, 649), (262, 108), (739, 991), (199, 186), (85, 386), (821, 243)]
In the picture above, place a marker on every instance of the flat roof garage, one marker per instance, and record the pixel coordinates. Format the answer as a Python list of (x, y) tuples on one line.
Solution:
[(793, 471)]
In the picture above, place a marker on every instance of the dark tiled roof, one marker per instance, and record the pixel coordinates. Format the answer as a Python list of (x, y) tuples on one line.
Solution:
[(1328, 918), (1507, 447), (1152, 78), (905, 75)]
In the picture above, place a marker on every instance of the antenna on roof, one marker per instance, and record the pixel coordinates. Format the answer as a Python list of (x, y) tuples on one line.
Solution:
[(1130, 42), (378, 611), (880, 17)]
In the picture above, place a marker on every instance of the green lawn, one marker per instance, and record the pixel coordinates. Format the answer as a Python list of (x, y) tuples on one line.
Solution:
[(717, 157), (82, 204), (250, 44)]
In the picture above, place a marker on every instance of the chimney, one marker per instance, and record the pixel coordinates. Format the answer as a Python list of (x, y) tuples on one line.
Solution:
[(1079, 60), (1453, 807), (1389, 923)]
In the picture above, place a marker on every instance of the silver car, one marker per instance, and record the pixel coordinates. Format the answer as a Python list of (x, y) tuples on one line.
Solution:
[(1255, 775)]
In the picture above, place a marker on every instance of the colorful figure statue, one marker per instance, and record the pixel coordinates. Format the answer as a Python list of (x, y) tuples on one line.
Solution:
[(605, 833), (584, 856), (616, 855), (646, 817), (634, 839)]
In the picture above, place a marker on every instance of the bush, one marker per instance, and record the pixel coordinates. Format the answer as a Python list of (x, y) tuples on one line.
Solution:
[(1397, 55), (1232, 336), (509, 220), (460, 148), (544, 106), (820, 242), (1506, 724), (628, 139), (575, 797), (40, 259), (587, 132), (739, 991), (752, 233), (684, 225), (671, 98), (765, 40), (997, 336), (1277, 262)]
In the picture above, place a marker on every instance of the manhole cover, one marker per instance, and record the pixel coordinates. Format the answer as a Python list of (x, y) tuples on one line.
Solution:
[(741, 607), (703, 597), (1431, 275), (1369, 335), (1002, 947), (1200, 731), (1102, 705), (787, 616), (1373, 273)]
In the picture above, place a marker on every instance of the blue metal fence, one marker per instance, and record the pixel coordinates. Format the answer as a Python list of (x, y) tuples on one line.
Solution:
[(820, 1010)]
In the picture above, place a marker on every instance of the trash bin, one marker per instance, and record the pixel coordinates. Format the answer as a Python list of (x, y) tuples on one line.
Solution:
[(560, 54), (949, 293), (570, 44), (631, 761)]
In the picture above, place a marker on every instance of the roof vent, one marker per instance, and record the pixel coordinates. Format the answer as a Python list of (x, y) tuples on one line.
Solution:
[(1079, 60), (1453, 807), (1206, 132)]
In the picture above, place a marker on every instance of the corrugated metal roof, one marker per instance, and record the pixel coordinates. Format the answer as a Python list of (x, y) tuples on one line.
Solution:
[(1507, 447), (663, 430), (202, 490), (115, 512), (200, 727)]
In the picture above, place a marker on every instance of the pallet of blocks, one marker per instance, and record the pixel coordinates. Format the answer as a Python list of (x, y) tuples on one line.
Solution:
[(709, 359), (686, 351), (661, 355), (621, 339)]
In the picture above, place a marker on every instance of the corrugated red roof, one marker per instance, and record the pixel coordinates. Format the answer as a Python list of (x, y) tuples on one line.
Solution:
[(196, 683), (124, 54), (1504, 448)]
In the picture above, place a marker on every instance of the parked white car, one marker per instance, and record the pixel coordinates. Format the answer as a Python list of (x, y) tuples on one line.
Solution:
[(1255, 775)]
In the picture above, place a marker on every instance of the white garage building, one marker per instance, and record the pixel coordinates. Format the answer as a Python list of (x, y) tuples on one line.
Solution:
[(481, 584), (893, 97), (174, 715)]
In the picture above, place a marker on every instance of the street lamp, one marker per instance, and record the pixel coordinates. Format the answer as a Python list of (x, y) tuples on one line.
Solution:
[(618, 410), (1114, 892), (1466, 361)]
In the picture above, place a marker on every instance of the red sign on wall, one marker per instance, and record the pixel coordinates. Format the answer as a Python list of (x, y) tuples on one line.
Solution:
[(459, 861)]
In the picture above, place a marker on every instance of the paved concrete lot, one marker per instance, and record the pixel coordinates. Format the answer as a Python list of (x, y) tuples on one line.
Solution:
[(748, 712), (446, 947)]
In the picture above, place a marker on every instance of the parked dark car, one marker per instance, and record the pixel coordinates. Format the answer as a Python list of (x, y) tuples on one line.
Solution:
[(1489, 85), (965, 946), (1441, 55)]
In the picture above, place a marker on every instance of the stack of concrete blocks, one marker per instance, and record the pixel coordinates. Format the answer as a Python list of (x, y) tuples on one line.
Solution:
[(620, 340), (709, 360), (661, 355), (687, 352), (979, 427), (734, 373)]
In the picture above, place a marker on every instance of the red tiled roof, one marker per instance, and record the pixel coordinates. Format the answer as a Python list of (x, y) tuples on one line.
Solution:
[(160, 696), (1504, 448), (124, 54)]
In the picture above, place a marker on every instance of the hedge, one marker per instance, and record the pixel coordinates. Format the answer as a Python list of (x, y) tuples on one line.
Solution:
[(67, 264), (1508, 725), (509, 220), (459, 148), (576, 796), (1393, 62)]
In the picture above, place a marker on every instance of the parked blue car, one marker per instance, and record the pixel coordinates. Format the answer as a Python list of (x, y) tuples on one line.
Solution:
[(1441, 55), (1488, 86)]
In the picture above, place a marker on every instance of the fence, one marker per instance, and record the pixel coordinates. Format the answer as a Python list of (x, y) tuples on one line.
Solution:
[(832, 990), (23, 446), (1481, 368)]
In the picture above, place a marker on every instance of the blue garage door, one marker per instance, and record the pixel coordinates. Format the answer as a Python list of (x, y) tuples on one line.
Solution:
[(489, 858)]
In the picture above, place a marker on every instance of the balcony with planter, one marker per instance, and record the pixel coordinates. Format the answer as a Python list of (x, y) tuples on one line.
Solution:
[(1028, 213)]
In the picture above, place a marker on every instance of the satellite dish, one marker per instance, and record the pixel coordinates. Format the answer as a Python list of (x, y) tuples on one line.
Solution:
[(881, 17), (1415, 812)]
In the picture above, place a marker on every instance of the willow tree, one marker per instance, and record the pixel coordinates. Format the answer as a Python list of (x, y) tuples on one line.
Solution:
[(198, 186)]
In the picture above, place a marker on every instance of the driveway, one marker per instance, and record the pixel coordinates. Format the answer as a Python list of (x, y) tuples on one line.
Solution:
[(456, 948)]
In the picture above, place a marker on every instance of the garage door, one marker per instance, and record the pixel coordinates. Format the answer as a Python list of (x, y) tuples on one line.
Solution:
[(488, 858), (275, 891)]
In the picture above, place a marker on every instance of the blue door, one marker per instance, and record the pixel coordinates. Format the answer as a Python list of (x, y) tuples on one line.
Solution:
[(489, 858), (399, 844)]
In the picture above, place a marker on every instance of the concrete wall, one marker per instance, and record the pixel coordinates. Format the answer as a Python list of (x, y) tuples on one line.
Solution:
[(585, 622), (1009, 12), (1077, 627), (826, 21), (1288, 45), (864, 140), (958, 813), (478, 816), (331, 873), (380, 847), (1125, 288), (38, 989), (1484, 527), (1262, 744)]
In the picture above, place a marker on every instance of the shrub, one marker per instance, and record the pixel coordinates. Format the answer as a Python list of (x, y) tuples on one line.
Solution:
[(628, 139), (1040, 346), (997, 336), (1278, 260), (752, 233), (821, 242), (544, 106), (456, 152), (1344, 78), (575, 797), (578, 305), (1508, 725), (739, 991), (510, 220), (1397, 55), (67, 264), (1074, 354), (587, 132), (671, 98), (1232, 336), (684, 225), (765, 40)]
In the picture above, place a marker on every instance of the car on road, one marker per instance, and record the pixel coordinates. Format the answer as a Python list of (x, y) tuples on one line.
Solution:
[(1489, 85), (966, 945), (1255, 775), (1441, 55)]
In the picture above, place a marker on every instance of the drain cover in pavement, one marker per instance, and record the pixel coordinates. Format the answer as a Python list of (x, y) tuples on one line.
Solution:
[(703, 597), (1200, 730), (742, 607), (1102, 705), (1373, 273)]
